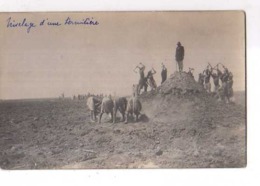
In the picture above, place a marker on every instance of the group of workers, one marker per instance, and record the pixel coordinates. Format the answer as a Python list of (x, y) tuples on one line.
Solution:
[(223, 91), (148, 80), (86, 96)]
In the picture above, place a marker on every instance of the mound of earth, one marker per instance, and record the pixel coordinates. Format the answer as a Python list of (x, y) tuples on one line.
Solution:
[(185, 129), (194, 124), (180, 83)]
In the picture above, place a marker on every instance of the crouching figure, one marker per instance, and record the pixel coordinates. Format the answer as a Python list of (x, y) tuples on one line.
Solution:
[(93, 105), (119, 104), (134, 106), (107, 106)]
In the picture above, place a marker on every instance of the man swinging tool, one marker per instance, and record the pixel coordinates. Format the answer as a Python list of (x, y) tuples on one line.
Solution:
[(215, 77), (150, 80), (207, 74), (142, 80)]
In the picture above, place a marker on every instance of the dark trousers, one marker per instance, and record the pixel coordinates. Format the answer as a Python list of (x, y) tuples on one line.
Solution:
[(180, 65)]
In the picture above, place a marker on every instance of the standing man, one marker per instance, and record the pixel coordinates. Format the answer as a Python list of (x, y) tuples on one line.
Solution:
[(201, 79), (225, 84), (163, 73), (230, 87), (207, 74), (179, 56)]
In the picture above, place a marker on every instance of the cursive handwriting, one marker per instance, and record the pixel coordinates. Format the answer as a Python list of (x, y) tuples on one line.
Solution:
[(12, 23), (24, 23), (86, 21)]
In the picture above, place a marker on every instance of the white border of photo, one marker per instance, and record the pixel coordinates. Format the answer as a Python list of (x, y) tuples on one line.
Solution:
[(242, 176)]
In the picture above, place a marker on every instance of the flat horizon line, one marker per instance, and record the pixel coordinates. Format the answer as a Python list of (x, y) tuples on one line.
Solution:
[(68, 97)]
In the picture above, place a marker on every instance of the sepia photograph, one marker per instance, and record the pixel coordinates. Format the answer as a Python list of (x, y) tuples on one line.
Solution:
[(123, 90)]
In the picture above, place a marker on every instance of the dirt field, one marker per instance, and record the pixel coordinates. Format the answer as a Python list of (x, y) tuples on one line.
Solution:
[(174, 132)]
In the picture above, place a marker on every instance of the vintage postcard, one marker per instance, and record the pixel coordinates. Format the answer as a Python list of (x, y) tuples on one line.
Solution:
[(89, 90)]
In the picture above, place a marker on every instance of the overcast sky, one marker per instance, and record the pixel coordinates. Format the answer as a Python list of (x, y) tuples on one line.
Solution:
[(79, 59)]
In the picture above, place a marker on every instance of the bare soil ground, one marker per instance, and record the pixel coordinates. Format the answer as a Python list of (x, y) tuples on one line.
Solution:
[(173, 132)]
